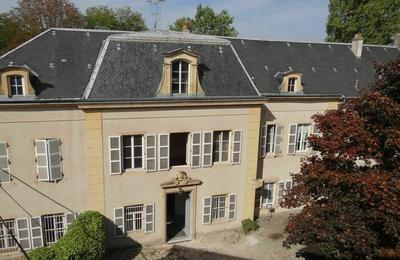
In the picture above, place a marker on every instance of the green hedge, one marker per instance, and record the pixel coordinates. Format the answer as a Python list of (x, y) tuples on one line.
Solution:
[(249, 225), (85, 239)]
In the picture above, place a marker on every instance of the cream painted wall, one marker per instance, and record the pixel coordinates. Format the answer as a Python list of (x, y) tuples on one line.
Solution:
[(278, 168), (136, 187), (20, 128)]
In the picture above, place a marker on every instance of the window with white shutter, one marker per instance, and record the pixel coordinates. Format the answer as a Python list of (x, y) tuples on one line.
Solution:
[(149, 218), (48, 159), (236, 146), (207, 148), (302, 137), (278, 140), (196, 150), (4, 163), (7, 231), (263, 140), (119, 222), (292, 139), (23, 233), (271, 132), (206, 218), (163, 152), (151, 151), (232, 207), (69, 219), (36, 232), (115, 155)]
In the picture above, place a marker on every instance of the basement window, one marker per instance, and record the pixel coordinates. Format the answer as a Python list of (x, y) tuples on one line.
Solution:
[(178, 149)]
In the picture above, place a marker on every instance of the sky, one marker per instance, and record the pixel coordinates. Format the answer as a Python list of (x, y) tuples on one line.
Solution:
[(295, 20)]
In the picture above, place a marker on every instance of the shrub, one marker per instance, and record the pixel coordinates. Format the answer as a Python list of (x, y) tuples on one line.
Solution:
[(249, 225), (42, 253), (85, 239)]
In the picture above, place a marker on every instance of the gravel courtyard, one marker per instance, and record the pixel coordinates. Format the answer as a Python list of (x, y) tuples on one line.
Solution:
[(266, 243)]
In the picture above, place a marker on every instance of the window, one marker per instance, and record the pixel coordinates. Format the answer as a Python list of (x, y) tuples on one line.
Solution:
[(221, 146), (291, 84), (53, 228), (134, 217), (4, 163), (283, 187), (219, 206), (132, 151), (270, 147), (180, 76), (178, 149), (16, 86), (268, 195), (48, 159), (301, 137), (7, 229)]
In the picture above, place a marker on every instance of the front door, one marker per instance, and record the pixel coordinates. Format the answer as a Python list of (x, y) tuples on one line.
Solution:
[(178, 216)]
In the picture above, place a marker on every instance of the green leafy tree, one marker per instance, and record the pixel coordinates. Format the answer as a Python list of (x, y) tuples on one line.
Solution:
[(124, 18), (350, 188), (377, 20), (206, 21)]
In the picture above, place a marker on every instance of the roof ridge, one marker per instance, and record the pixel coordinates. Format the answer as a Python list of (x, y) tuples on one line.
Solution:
[(305, 42), (87, 30)]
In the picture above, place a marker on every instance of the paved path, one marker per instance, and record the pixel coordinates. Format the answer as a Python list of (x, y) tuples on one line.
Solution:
[(266, 243)]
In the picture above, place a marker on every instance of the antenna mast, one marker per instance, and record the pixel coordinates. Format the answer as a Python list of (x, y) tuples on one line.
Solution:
[(156, 12)]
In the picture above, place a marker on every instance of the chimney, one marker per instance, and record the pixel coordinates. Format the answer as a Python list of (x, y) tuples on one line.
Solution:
[(357, 45), (397, 41)]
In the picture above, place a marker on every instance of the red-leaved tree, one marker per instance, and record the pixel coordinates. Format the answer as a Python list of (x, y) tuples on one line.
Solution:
[(350, 187)]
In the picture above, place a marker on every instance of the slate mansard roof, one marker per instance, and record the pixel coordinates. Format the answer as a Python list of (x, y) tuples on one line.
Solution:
[(96, 65)]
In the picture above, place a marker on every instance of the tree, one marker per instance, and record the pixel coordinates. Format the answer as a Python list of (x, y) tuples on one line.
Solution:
[(124, 18), (350, 186), (377, 20), (36, 16), (206, 21)]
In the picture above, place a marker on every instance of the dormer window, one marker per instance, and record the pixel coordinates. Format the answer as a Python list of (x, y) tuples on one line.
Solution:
[(291, 84), (180, 77), (16, 85)]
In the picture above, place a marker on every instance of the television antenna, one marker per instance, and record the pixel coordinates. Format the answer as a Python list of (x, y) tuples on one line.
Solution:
[(156, 12)]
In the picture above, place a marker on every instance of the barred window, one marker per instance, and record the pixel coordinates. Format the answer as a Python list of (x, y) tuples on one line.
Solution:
[(53, 227), (134, 218), (6, 230), (219, 206)]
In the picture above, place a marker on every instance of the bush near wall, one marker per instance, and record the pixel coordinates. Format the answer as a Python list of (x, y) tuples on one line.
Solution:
[(85, 239), (249, 225)]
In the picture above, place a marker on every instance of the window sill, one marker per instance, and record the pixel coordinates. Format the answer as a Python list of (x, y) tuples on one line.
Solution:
[(219, 220), (134, 170)]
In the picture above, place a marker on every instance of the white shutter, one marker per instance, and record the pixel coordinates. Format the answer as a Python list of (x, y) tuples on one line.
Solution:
[(23, 233), (236, 146), (263, 140), (69, 219), (232, 206), (54, 155), (151, 159), (292, 139), (163, 152), (115, 154), (4, 163), (42, 161), (206, 218), (196, 150), (119, 222), (36, 232), (278, 139), (207, 148), (149, 218)]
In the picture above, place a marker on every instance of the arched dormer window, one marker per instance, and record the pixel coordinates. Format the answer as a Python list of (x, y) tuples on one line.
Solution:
[(16, 85), (180, 77), (179, 74)]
